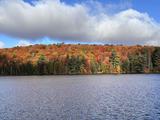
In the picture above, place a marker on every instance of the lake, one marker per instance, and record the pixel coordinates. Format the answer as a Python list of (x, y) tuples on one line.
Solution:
[(86, 97)]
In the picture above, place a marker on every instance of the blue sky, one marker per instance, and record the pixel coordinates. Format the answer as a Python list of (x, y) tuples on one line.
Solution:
[(141, 6)]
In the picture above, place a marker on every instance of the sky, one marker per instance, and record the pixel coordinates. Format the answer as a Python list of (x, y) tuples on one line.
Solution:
[(128, 22)]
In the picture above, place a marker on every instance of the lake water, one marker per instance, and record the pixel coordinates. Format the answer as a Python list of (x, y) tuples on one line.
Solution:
[(90, 97)]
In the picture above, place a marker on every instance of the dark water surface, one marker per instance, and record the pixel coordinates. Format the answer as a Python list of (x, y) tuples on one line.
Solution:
[(97, 97)]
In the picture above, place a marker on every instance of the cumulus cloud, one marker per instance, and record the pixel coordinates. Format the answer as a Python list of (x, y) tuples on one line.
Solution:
[(58, 20), (24, 43), (1, 44)]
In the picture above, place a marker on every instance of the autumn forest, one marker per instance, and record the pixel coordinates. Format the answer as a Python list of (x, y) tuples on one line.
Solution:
[(67, 59)]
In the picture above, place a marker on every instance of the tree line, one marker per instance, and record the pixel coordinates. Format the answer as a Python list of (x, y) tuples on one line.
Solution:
[(145, 61)]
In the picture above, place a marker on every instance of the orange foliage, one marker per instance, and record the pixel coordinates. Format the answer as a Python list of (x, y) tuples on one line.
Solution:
[(98, 52)]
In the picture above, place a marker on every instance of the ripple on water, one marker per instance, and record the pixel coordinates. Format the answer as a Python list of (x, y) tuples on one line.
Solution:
[(120, 97)]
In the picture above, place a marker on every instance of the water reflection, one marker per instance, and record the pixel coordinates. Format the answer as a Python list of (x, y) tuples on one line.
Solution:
[(122, 97)]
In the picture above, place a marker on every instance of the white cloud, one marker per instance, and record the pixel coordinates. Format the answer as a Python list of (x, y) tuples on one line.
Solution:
[(24, 43), (153, 42), (1, 44), (59, 20)]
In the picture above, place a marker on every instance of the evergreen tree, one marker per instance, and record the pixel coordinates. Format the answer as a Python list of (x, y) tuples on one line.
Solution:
[(156, 58), (50, 67), (137, 63), (126, 66), (41, 64), (115, 61), (75, 64)]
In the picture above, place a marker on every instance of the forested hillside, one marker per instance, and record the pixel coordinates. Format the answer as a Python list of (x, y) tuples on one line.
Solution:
[(79, 59)]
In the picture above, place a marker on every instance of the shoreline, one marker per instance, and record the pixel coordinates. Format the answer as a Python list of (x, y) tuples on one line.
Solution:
[(84, 74)]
